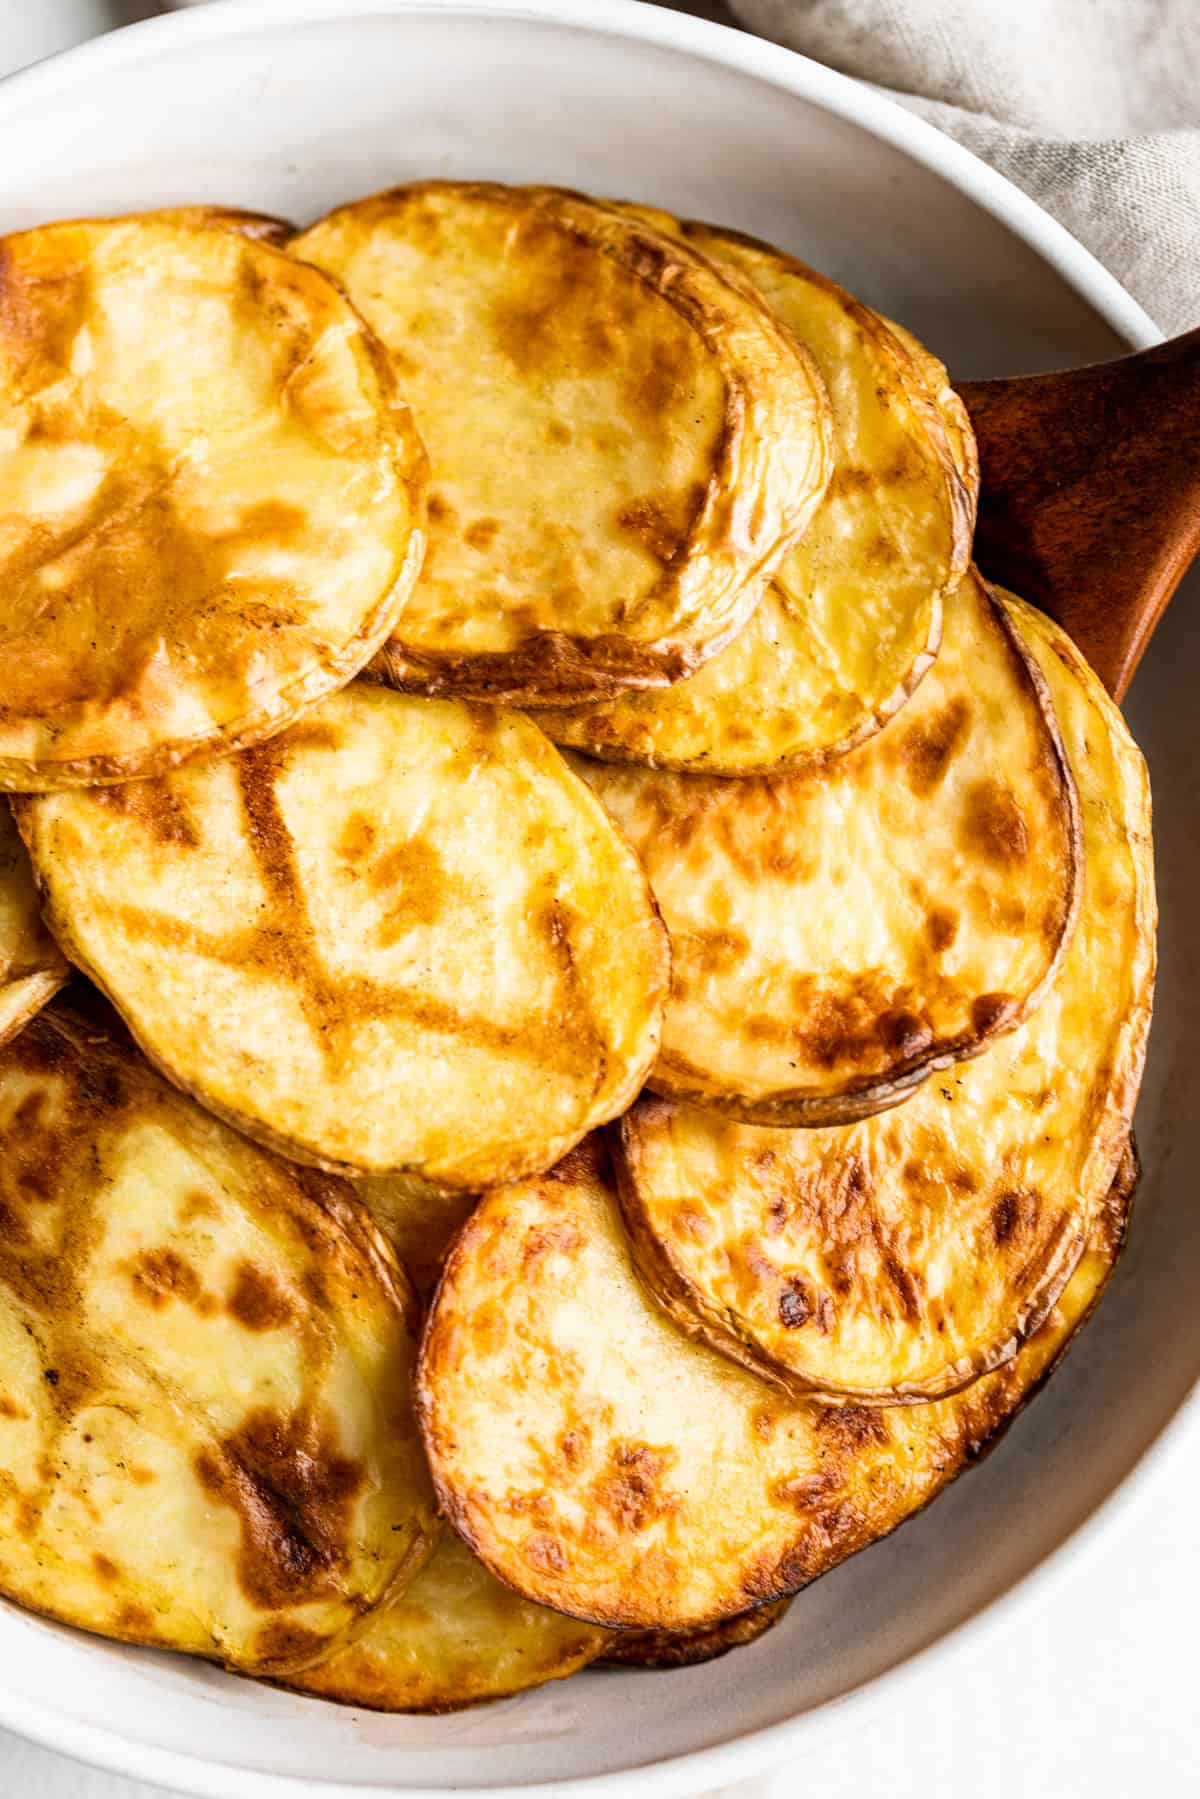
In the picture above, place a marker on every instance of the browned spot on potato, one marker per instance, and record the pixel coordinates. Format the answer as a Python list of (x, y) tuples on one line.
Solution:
[(662, 522), (27, 1114), (39, 319), (990, 1011), (545, 1239), (105, 1569), (941, 928), (852, 1427), (993, 825), (10, 1409), (573, 1446), (796, 1307), (847, 478), (295, 1495), (904, 1034), (805, 1492), (357, 839), (161, 1275), (690, 1224), (1014, 1214), (632, 1494), (441, 512), (142, 1477), (860, 1022), (765, 1422), (199, 1204), (258, 1301), (882, 551), (545, 1552), (927, 749), (281, 1643), (132, 1620), (482, 533), (906, 1283)]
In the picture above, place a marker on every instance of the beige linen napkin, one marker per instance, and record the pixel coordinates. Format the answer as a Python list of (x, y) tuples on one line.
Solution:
[(1092, 106)]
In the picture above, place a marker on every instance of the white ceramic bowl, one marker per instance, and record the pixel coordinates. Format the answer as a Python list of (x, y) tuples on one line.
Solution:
[(291, 105)]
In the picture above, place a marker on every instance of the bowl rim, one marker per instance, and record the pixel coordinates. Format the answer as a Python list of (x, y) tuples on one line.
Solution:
[(740, 1756)]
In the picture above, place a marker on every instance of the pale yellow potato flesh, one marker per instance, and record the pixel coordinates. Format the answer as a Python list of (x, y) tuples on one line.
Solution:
[(601, 1462), (455, 1637), (206, 1429), (402, 936), (622, 443), (32, 967), (211, 498), (903, 1256), (853, 619), (840, 932)]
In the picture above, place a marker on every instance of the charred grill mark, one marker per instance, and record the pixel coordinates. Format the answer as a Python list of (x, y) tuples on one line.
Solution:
[(156, 806), (352, 995), (576, 1024), (280, 942)]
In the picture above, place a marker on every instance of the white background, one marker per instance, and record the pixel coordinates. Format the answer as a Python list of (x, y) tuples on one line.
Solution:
[(1090, 1692)]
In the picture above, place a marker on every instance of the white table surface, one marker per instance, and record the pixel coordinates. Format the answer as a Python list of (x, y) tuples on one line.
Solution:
[(1089, 1692)]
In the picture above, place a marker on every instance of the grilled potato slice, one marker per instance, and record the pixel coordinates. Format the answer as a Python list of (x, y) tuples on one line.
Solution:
[(401, 936), (211, 500), (600, 1462), (622, 442), (687, 1648), (455, 1637), (901, 1257), (32, 967), (854, 617), (840, 932), (206, 1431)]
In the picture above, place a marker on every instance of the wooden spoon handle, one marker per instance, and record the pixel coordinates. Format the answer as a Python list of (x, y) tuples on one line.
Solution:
[(1090, 497)]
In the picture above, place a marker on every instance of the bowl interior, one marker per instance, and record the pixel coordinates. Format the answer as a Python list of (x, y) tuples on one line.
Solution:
[(294, 115)]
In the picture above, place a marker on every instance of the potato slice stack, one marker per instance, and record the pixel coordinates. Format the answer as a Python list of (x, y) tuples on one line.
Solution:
[(535, 1187)]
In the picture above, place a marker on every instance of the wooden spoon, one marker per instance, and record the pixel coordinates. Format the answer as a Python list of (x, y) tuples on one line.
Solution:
[(1090, 494)]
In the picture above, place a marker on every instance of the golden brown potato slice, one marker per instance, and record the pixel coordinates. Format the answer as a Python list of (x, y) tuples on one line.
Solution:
[(211, 500), (622, 443), (32, 967), (602, 1463), (903, 1256), (840, 932), (401, 936), (687, 1648), (206, 1431), (455, 1637), (853, 619)]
